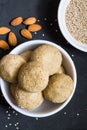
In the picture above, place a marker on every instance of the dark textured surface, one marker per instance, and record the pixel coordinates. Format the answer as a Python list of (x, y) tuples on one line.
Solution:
[(74, 115)]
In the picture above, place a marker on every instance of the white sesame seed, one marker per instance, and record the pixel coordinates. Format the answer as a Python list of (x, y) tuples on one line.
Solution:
[(8, 118), (35, 32), (56, 30), (9, 114), (64, 113), (6, 126), (77, 114), (38, 20), (10, 124), (17, 123), (16, 114), (17, 128), (36, 118), (55, 20), (72, 55), (43, 34), (51, 24), (6, 111), (9, 107), (13, 111), (45, 19)]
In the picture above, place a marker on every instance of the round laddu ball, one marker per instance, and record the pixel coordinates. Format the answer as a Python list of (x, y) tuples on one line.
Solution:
[(49, 56), (26, 99), (59, 88), (26, 55), (60, 70), (33, 77), (9, 67)]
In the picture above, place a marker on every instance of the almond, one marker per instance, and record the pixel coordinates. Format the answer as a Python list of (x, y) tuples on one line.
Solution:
[(4, 30), (12, 39), (16, 21), (29, 21), (34, 27), (25, 33), (4, 45)]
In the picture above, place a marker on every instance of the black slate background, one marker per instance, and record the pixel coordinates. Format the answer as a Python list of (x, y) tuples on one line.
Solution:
[(74, 115)]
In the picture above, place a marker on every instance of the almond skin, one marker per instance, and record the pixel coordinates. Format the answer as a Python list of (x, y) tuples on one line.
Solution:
[(29, 21), (4, 45), (17, 21), (12, 39), (34, 27), (25, 33), (4, 30)]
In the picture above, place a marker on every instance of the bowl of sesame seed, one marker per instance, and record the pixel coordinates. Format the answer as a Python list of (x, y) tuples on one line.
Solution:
[(72, 20)]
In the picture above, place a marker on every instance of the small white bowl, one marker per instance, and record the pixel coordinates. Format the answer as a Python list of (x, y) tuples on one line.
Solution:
[(62, 24), (47, 108)]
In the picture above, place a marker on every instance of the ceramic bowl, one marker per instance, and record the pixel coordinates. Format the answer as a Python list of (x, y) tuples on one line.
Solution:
[(62, 25), (47, 108)]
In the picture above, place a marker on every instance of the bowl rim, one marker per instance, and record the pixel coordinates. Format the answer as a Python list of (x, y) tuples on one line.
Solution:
[(65, 103), (63, 28)]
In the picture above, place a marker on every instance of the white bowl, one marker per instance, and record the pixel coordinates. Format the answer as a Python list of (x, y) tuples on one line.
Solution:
[(47, 108), (62, 24)]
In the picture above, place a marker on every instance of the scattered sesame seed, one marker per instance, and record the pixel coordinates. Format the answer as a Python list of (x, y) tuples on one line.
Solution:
[(8, 118), (13, 111), (77, 114), (55, 20), (56, 30), (6, 111), (43, 34), (72, 55), (51, 24), (36, 118), (38, 20), (45, 19), (16, 114), (6, 126), (17, 123), (64, 113), (17, 128), (10, 124), (35, 32), (9, 107), (9, 114)]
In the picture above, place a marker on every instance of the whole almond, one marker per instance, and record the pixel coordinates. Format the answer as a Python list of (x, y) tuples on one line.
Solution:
[(34, 27), (17, 21), (4, 45), (25, 33), (12, 39), (4, 30), (29, 21)]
